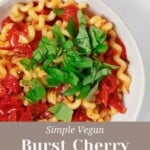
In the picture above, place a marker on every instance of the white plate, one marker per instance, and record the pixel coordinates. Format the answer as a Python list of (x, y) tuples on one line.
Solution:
[(133, 100)]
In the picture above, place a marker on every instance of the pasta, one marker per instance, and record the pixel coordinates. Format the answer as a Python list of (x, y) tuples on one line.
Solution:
[(59, 64), (123, 65)]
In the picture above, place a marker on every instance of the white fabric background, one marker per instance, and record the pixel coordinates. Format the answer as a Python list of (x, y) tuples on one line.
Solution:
[(136, 15)]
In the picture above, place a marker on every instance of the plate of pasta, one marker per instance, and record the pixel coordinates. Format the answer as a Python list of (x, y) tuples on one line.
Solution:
[(70, 61)]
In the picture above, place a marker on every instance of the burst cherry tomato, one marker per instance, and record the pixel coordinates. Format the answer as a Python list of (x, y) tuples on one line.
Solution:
[(12, 85), (80, 115), (3, 92), (107, 86), (35, 42), (70, 11), (116, 102), (19, 30), (34, 112)]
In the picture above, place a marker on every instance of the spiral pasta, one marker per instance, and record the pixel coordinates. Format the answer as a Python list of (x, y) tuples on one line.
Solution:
[(125, 78)]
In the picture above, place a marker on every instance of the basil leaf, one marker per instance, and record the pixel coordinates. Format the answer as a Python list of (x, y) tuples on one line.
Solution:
[(90, 78), (36, 93), (68, 45), (45, 48), (92, 91), (98, 38), (62, 112), (102, 73), (72, 29), (58, 35), (68, 68), (56, 73), (58, 11), (71, 56), (48, 61), (72, 79), (82, 41), (85, 62), (81, 18), (72, 91), (27, 63), (52, 82), (106, 65), (75, 61), (101, 48), (84, 92)]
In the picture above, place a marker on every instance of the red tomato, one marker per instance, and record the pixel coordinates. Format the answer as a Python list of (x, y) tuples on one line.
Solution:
[(18, 30), (35, 42), (3, 92), (45, 11), (11, 109), (2, 116), (80, 115), (38, 111), (107, 86), (103, 95), (14, 38), (108, 57), (12, 85), (124, 53), (34, 112), (24, 50), (26, 115), (110, 82), (70, 11), (6, 21), (116, 102), (13, 115)]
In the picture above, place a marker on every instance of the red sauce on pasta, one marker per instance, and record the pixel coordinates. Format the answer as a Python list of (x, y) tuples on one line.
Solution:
[(80, 115), (70, 11)]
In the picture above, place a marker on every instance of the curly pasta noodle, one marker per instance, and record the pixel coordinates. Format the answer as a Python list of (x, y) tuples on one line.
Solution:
[(38, 22), (73, 105), (121, 74), (46, 31), (4, 31), (51, 97), (93, 113)]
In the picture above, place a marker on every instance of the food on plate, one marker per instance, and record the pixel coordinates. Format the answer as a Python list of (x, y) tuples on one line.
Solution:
[(60, 63)]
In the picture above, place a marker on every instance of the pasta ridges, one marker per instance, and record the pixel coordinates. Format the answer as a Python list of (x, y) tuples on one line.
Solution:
[(121, 74)]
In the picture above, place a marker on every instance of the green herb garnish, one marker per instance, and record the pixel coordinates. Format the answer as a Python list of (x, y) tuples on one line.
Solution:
[(36, 93), (58, 11), (62, 112), (70, 61), (72, 29)]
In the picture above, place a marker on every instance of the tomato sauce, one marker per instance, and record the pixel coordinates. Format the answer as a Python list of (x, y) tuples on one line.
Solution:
[(70, 11), (11, 107), (17, 31), (79, 115)]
